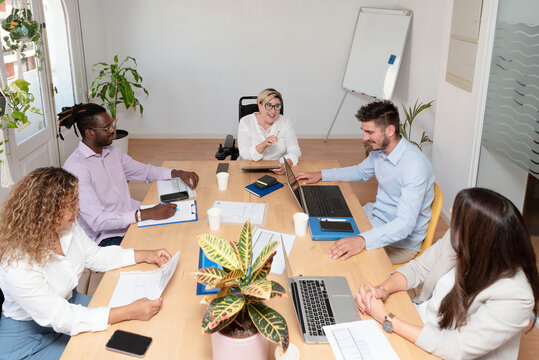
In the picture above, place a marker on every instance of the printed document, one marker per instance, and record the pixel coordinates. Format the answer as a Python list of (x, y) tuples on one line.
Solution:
[(134, 285), (234, 212), (263, 237), (359, 340)]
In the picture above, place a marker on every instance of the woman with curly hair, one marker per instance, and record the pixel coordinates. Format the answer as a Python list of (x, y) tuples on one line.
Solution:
[(480, 283), (43, 252)]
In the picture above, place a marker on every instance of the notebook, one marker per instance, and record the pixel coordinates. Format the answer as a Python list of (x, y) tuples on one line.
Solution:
[(319, 301), (263, 192)]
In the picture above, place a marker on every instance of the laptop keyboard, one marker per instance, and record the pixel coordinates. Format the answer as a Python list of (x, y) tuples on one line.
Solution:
[(315, 301), (317, 202)]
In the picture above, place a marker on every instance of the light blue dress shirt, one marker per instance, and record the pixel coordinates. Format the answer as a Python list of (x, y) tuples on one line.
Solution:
[(401, 213)]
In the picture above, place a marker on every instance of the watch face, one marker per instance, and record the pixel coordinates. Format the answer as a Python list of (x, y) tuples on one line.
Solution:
[(387, 326)]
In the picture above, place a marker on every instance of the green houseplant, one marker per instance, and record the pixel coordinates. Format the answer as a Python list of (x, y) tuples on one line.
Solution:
[(406, 126), (22, 28), (243, 287), (116, 85), (20, 100)]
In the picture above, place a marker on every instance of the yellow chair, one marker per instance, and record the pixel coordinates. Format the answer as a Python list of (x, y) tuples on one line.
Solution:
[(435, 210)]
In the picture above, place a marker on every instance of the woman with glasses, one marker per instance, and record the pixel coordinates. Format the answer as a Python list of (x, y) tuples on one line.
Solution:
[(43, 252), (480, 283), (268, 135)]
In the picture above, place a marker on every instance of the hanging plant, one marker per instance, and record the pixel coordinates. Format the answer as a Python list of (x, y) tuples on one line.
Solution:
[(20, 100), (23, 29)]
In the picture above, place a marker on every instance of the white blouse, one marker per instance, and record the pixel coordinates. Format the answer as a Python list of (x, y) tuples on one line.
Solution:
[(41, 292), (428, 310), (250, 134)]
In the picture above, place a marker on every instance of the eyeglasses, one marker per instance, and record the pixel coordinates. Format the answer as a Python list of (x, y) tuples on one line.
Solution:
[(109, 128), (275, 107)]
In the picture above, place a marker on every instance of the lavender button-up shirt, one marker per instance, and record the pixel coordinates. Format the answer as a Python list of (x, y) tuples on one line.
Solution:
[(106, 207)]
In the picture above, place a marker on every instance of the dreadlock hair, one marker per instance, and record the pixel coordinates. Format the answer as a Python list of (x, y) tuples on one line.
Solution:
[(81, 114)]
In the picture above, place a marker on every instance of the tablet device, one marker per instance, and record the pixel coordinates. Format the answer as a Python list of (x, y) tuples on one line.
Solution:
[(259, 168), (129, 343)]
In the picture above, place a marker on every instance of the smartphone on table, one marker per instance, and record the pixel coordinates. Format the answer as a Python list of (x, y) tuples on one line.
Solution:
[(336, 226), (129, 343), (180, 195)]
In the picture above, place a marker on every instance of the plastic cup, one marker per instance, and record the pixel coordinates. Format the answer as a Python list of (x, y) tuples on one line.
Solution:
[(222, 180), (291, 354), (300, 223), (214, 218)]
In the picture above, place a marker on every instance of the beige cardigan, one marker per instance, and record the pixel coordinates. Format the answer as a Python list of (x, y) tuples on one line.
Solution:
[(496, 317)]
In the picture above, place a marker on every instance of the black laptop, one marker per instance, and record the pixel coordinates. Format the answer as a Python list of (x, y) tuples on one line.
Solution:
[(318, 200)]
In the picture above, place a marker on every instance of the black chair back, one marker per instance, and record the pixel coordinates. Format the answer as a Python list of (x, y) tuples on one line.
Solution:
[(1, 300), (247, 109)]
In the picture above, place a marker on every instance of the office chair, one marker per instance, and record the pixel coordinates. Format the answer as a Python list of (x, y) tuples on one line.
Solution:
[(435, 210), (229, 147)]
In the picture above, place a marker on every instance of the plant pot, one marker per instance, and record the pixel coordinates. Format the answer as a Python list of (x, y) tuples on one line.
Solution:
[(225, 347), (122, 140)]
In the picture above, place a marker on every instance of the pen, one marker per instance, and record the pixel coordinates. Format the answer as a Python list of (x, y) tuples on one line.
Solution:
[(333, 220)]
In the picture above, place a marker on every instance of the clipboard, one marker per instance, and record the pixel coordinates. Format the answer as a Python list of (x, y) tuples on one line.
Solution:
[(186, 211)]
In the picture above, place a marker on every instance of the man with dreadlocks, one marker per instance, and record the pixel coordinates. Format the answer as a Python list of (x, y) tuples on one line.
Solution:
[(106, 206)]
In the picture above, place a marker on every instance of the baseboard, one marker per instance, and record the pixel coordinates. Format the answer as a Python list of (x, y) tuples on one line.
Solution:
[(222, 136)]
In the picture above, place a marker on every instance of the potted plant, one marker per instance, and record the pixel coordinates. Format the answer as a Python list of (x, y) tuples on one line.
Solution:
[(237, 311), (115, 85), (22, 28)]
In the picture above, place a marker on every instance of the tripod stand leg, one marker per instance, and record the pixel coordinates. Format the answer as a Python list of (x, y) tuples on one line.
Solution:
[(335, 117)]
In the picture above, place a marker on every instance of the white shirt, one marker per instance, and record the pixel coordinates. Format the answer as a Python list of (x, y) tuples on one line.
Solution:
[(428, 310), (250, 134), (41, 292)]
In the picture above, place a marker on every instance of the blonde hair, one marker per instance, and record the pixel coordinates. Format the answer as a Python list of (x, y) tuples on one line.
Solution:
[(32, 212), (268, 94)]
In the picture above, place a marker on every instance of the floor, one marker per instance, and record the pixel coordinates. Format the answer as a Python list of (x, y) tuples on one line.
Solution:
[(348, 152)]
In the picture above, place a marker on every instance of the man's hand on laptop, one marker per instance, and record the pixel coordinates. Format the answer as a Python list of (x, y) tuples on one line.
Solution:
[(189, 177), (309, 177), (347, 247)]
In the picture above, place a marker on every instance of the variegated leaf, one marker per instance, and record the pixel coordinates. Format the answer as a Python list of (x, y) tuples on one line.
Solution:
[(262, 271), (265, 255), (206, 299), (224, 290), (206, 321), (223, 324), (277, 291), (209, 276), (231, 276), (219, 251), (245, 246), (223, 308), (270, 324), (260, 289)]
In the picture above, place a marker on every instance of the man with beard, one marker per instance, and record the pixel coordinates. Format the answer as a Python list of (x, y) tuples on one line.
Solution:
[(401, 213), (106, 207)]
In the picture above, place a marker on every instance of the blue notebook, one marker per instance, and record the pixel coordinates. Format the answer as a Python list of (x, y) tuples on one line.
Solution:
[(204, 262), (263, 192), (318, 234)]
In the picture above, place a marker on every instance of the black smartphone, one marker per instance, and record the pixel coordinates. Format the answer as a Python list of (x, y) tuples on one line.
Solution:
[(222, 167), (129, 343), (174, 196), (339, 226)]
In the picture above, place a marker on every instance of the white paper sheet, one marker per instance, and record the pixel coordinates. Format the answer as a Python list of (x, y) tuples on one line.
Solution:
[(359, 340), (263, 237), (238, 212), (134, 285), (185, 211), (174, 185)]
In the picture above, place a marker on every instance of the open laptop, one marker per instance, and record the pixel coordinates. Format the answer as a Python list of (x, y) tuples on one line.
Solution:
[(319, 301), (318, 200)]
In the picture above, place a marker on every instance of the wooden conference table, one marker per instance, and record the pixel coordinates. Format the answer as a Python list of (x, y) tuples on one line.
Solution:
[(176, 328)]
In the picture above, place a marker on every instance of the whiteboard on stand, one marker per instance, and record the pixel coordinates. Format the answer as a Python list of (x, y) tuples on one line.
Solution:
[(376, 52)]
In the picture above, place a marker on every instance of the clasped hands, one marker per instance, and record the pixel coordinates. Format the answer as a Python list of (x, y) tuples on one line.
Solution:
[(370, 300)]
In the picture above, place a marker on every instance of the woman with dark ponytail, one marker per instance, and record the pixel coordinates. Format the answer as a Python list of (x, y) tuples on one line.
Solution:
[(480, 283), (106, 207)]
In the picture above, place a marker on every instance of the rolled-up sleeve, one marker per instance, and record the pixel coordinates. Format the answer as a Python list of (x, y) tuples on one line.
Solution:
[(293, 151), (136, 171)]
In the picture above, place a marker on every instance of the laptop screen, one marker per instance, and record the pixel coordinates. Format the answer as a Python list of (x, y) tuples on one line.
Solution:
[(294, 185)]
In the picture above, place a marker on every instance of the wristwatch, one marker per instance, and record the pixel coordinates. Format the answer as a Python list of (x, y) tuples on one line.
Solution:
[(388, 323)]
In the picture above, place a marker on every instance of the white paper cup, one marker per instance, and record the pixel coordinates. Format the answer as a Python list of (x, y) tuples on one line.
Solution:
[(300, 223), (291, 354), (222, 180), (214, 218)]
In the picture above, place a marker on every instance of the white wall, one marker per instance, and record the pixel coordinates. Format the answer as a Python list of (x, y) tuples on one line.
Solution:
[(459, 115), (199, 58)]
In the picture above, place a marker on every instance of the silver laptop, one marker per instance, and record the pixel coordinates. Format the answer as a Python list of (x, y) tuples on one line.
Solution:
[(317, 200), (319, 301)]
